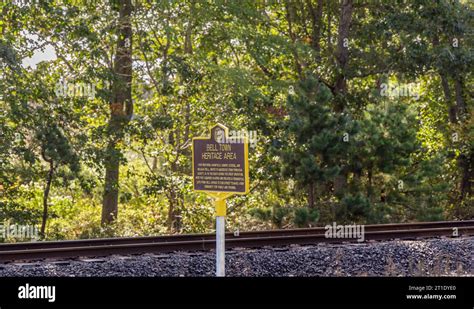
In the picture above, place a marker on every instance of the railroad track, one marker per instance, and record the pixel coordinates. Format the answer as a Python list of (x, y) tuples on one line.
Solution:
[(39, 250)]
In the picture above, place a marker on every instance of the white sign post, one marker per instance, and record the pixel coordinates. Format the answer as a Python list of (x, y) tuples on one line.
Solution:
[(220, 169), (220, 245)]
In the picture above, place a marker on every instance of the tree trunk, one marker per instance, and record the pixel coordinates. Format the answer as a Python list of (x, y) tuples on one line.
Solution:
[(328, 27), (340, 85), (171, 210), (342, 51), (110, 199), (316, 25), (458, 89), (369, 184), (121, 106), (340, 183), (447, 94), (290, 17), (465, 160), (47, 188), (175, 137), (456, 113), (154, 165), (311, 195), (446, 90), (466, 166), (188, 44)]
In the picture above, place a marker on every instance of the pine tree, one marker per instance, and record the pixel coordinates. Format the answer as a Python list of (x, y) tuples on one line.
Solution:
[(314, 146)]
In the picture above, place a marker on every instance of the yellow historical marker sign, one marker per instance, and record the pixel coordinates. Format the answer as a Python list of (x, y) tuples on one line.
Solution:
[(220, 163)]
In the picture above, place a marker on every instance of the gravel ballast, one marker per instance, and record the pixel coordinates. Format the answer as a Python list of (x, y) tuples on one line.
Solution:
[(433, 257)]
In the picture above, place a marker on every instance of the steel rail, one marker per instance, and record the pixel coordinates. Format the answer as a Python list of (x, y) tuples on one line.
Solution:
[(203, 242), (229, 235)]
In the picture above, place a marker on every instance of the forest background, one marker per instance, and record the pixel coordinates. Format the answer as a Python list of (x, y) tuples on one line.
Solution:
[(360, 110)]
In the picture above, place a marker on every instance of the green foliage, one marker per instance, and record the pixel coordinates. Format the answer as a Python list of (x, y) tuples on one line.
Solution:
[(277, 215), (313, 147), (353, 208), (336, 148), (281, 216), (305, 217)]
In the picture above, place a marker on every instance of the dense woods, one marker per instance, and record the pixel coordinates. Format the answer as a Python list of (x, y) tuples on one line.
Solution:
[(360, 111)]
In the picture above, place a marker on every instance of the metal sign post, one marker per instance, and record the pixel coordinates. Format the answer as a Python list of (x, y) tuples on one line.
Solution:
[(220, 237), (220, 169)]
